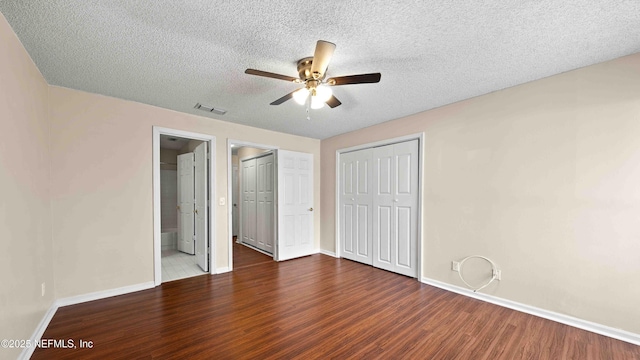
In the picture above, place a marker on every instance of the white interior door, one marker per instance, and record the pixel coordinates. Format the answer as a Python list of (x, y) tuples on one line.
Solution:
[(201, 206), (186, 203), (248, 188), (395, 208), (264, 199), (356, 202), (295, 205), (234, 201)]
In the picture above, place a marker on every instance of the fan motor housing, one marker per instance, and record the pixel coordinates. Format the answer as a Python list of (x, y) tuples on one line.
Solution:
[(304, 69)]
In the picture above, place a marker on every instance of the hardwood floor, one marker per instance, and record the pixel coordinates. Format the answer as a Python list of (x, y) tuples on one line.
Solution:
[(244, 256), (315, 307)]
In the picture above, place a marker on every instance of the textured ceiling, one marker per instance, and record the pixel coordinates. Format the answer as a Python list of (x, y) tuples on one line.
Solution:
[(174, 54)]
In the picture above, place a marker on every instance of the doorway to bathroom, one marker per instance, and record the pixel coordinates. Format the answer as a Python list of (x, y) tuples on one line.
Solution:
[(182, 213)]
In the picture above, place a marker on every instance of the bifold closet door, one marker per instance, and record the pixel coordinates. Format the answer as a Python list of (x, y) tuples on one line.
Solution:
[(356, 205), (249, 227), (395, 207), (265, 216)]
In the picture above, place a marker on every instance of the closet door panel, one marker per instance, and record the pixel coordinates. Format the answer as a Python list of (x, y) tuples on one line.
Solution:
[(363, 241), (405, 199), (403, 236), (384, 171), (356, 206), (382, 240), (364, 200), (363, 165), (403, 174), (348, 204), (348, 241), (383, 229)]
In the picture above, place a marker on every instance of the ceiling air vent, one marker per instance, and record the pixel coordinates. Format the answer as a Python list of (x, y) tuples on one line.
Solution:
[(210, 109)]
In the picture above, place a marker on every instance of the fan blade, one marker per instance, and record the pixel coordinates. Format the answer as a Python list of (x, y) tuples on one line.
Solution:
[(284, 98), (333, 102), (322, 57), (355, 79), (270, 75)]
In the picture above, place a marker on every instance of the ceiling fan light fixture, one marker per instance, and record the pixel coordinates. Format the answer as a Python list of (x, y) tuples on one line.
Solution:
[(323, 93), (316, 102), (301, 95), (312, 71)]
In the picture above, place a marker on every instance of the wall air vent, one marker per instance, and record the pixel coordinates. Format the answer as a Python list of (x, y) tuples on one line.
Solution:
[(210, 109)]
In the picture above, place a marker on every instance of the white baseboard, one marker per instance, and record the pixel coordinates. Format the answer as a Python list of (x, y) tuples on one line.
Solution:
[(618, 334), (37, 334), (222, 270), (328, 253), (46, 319), (104, 294)]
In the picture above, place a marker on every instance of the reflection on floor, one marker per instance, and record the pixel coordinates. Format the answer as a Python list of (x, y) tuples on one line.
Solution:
[(244, 256), (178, 265)]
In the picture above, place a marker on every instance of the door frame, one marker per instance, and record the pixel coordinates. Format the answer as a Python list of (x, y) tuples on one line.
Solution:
[(240, 143), (420, 138), (157, 243)]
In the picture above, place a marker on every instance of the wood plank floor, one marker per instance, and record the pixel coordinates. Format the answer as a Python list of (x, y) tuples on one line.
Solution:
[(315, 307), (244, 256)]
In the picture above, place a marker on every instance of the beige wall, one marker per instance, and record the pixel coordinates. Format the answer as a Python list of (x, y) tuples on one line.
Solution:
[(102, 200), (25, 212), (543, 178)]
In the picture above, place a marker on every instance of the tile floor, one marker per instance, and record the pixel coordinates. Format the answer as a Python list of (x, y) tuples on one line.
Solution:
[(178, 265)]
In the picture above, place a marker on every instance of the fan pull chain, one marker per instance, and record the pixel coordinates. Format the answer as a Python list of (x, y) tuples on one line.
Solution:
[(309, 106)]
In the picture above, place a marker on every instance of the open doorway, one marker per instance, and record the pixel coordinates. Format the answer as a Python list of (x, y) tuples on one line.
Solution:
[(183, 217), (251, 163)]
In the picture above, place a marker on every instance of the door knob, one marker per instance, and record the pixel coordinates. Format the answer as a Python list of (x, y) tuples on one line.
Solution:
[(310, 209), (196, 211), (353, 199)]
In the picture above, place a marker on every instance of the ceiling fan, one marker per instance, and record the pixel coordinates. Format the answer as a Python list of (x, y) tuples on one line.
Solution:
[(312, 71)]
